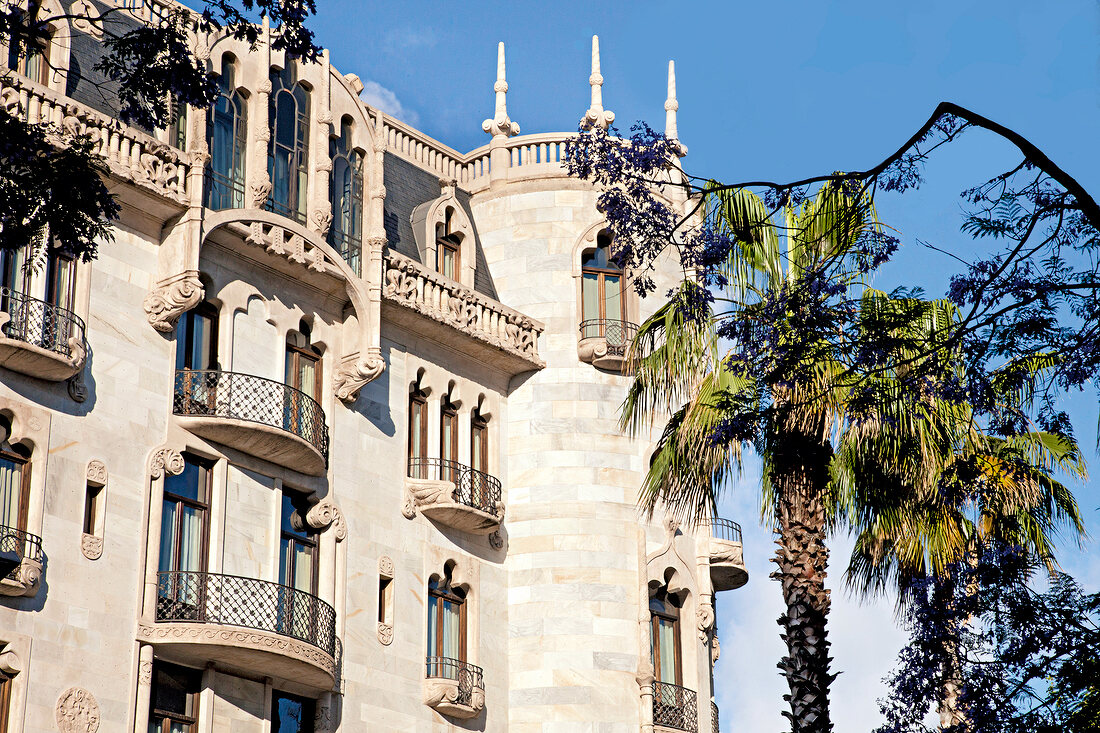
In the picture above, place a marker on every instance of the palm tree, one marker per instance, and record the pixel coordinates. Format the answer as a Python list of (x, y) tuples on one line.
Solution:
[(914, 520), (796, 408)]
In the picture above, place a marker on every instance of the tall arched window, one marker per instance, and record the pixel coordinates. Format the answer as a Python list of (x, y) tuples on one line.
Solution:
[(664, 611), (14, 487), (346, 196), (601, 289), (288, 152), (446, 626), (448, 245), (418, 433), (448, 440), (303, 373), (227, 131)]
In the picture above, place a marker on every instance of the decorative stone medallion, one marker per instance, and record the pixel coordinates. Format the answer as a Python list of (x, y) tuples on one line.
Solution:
[(91, 546), (77, 711)]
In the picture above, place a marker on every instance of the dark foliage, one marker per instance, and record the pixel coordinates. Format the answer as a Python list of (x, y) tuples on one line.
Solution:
[(52, 180), (1027, 661)]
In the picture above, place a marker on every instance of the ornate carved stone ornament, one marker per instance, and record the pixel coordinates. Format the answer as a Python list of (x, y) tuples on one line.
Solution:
[(232, 636), (326, 513), (355, 372), (321, 220), (78, 390), (164, 460), (323, 719), (413, 286), (77, 711), (705, 616), (259, 187), (274, 240), (172, 297), (385, 633), (715, 650), (145, 673), (501, 125), (385, 566), (91, 546), (496, 539), (444, 696)]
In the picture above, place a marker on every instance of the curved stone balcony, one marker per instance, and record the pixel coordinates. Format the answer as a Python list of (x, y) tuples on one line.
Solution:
[(453, 687), (674, 707), (251, 625), (454, 495), (727, 561), (40, 339), (261, 417), (714, 726), (20, 562), (605, 342)]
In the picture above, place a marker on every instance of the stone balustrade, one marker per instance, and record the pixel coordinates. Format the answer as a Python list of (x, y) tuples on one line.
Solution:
[(412, 286), (130, 154)]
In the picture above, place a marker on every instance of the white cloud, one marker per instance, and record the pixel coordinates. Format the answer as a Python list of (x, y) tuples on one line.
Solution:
[(380, 97), (749, 687)]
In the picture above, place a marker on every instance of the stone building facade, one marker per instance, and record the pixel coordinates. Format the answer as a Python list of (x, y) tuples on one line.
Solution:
[(326, 438)]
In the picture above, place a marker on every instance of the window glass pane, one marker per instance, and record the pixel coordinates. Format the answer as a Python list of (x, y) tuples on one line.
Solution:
[(174, 689), (451, 629), (448, 268), (666, 642), (612, 298), (191, 521), (307, 376), (476, 448), (433, 623), (415, 428), (590, 298), (169, 528), (11, 491), (189, 484), (302, 579)]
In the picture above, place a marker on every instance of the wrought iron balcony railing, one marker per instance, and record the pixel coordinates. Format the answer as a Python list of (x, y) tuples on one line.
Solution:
[(246, 397), (675, 707), (714, 717), (202, 597), (473, 488), (41, 324), (468, 676), (724, 529), (22, 545), (617, 334)]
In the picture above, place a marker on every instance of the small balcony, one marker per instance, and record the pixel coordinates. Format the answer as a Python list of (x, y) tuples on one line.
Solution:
[(605, 343), (727, 561), (674, 707), (453, 687), (261, 417), (40, 339), (20, 562), (714, 717), (251, 625), (454, 495)]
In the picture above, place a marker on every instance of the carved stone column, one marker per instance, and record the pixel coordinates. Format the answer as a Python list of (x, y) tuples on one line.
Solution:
[(144, 688), (320, 208), (259, 133)]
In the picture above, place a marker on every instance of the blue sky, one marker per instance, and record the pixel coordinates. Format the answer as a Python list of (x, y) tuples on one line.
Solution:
[(778, 91)]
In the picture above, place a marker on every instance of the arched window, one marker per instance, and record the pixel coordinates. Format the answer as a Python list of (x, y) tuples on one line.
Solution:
[(664, 612), (448, 440), (446, 626), (418, 433), (288, 152), (303, 373), (479, 442), (447, 247), (346, 196), (227, 131), (33, 63), (14, 489), (601, 289)]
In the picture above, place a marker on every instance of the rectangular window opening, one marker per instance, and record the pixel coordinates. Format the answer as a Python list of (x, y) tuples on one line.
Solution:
[(91, 508), (385, 599)]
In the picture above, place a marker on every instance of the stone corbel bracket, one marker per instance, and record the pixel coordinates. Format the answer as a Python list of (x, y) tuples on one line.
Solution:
[(435, 500), (442, 695), (325, 514), (172, 297), (165, 461), (356, 371)]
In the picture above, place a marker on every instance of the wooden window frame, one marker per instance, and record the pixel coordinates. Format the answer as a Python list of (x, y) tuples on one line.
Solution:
[(295, 540), (601, 273), (207, 483), (479, 426), (24, 485), (296, 354), (202, 310), (167, 718), (448, 243), (654, 641), (420, 401), (448, 423), (285, 82), (446, 593)]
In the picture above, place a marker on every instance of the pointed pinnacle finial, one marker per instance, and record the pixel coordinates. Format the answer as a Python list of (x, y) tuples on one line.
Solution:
[(671, 105), (499, 124), (596, 116)]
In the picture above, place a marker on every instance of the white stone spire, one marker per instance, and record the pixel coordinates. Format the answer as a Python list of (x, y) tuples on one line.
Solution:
[(671, 105), (499, 125), (597, 116)]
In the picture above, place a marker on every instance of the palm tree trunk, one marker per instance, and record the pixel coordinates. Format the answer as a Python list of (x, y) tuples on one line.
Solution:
[(800, 476)]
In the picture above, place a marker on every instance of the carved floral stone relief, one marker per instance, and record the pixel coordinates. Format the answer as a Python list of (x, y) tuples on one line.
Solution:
[(77, 711)]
